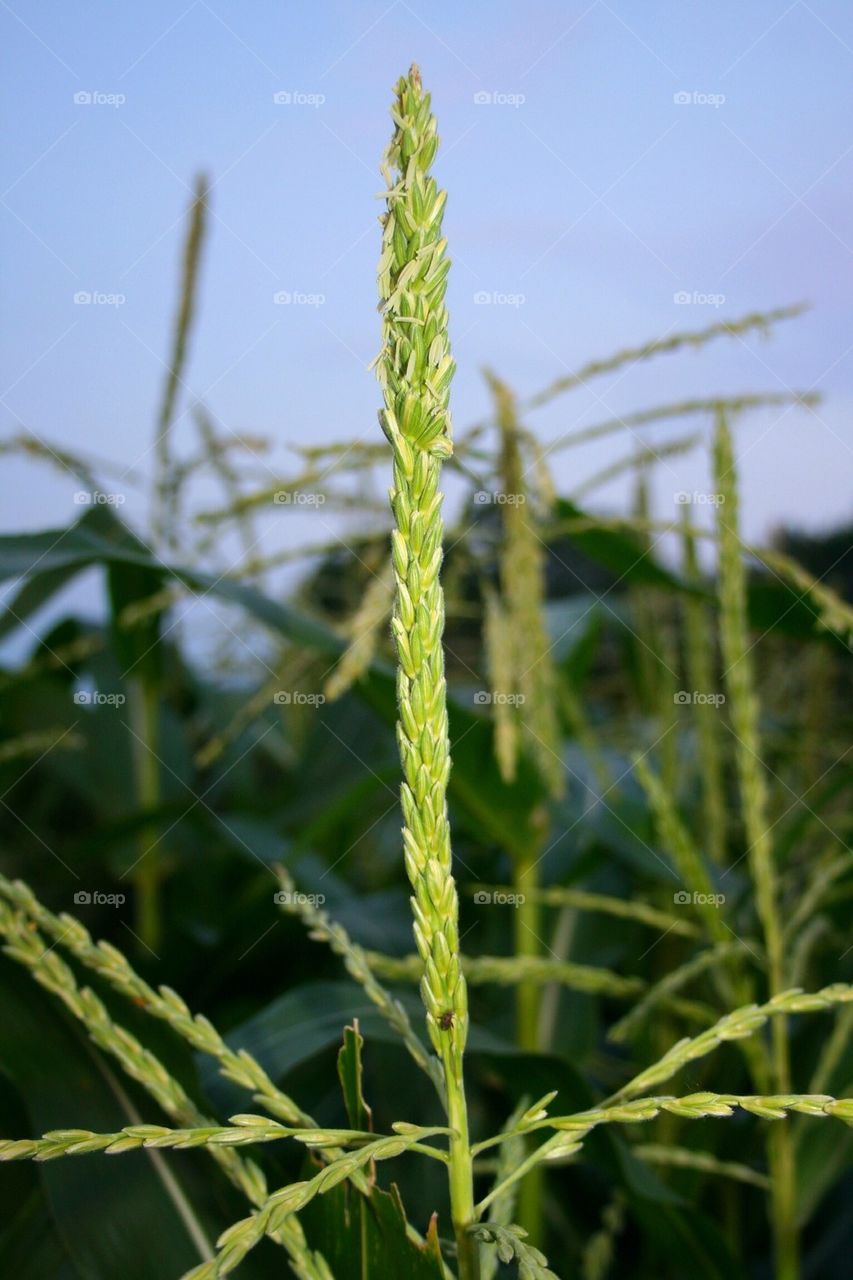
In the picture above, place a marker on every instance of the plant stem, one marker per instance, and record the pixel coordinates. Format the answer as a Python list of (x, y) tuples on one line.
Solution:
[(527, 935), (144, 708), (699, 655), (461, 1168)]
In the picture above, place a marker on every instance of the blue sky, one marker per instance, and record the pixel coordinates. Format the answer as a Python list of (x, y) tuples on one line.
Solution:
[(583, 187)]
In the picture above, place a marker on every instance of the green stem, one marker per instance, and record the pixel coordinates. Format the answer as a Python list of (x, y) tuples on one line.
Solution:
[(461, 1174), (783, 1184), (699, 655), (147, 874), (527, 931), (527, 935), (780, 1147)]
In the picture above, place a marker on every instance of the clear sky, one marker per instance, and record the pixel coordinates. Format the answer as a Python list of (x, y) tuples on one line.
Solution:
[(584, 189)]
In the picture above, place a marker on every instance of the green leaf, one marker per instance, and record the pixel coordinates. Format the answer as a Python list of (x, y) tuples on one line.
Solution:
[(33, 593), (620, 551), (350, 1075), (30, 1245), (129, 1218), (774, 605), (365, 1239), (482, 800), (99, 537), (823, 1156), (136, 646)]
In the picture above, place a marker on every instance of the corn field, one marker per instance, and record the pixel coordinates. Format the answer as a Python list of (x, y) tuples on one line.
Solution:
[(461, 891)]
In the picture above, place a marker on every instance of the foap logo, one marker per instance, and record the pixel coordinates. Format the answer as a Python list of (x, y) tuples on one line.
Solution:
[(298, 98), (685, 499), (97, 498), (97, 98), (293, 298), (696, 299), (297, 498), (295, 698), (687, 697), (91, 698), (485, 698), (695, 98), (484, 298), (483, 498), (286, 898), (496, 98), (95, 898), (497, 898), (682, 898), (97, 298)]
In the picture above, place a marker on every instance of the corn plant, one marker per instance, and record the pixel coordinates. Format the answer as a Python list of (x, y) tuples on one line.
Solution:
[(495, 1176)]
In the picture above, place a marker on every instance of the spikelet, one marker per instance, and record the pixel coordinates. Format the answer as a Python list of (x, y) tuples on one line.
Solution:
[(679, 409), (743, 703), (756, 321), (522, 575), (163, 518)]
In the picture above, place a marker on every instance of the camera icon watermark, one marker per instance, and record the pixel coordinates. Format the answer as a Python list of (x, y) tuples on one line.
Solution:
[(486, 698), (297, 498), (96, 98), (698, 499), (84, 698), (297, 98), (295, 298), (682, 898), (496, 98), (295, 698), (498, 898), (95, 898), (288, 898), (96, 498), (484, 498), (686, 298), (695, 98), (495, 298), (686, 697), (98, 298)]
